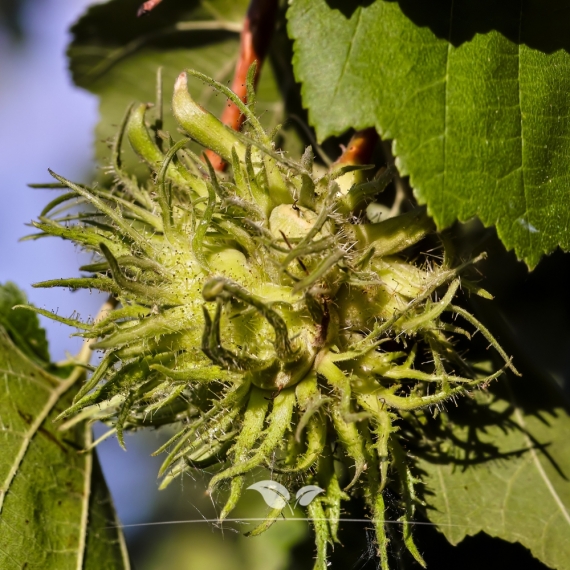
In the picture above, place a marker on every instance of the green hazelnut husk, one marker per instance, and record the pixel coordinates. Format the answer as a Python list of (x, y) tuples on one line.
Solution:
[(253, 312)]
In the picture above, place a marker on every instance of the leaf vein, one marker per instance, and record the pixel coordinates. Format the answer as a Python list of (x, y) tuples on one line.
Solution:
[(444, 493), (348, 54), (85, 500), (29, 435), (445, 100)]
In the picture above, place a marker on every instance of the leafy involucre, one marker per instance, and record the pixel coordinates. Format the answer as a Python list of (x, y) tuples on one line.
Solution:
[(474, 94), (226, 327), (55, 509), (521, 493)]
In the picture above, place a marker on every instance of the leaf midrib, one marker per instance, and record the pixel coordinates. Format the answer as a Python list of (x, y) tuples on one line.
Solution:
[(538, 464), (30, 433)]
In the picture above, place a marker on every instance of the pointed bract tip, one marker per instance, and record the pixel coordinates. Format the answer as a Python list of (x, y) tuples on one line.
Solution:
[(181, 82)]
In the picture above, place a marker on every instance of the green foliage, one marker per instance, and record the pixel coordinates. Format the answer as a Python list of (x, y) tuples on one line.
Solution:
[(55, 509), (473, 93)]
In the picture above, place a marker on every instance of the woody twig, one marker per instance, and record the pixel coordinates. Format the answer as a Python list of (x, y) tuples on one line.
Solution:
[(147, 7), (255, 38), (360, 148)]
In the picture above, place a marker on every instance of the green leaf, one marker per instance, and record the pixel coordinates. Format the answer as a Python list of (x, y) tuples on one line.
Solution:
[(105, 546), (116, 56), (22, 326), (474, 93), (55, 509), (505, 470)]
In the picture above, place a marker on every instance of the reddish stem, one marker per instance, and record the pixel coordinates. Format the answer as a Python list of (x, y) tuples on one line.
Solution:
[(147, 7), (255, 39), (360, 147)]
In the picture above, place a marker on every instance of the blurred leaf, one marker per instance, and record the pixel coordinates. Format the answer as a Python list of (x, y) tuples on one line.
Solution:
[(22, 326), (55, 509), (519, 488), (11, 16), (116, 55), (474, 94)]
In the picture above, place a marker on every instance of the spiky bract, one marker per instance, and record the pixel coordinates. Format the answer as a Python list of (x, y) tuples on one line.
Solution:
[(262, 314)]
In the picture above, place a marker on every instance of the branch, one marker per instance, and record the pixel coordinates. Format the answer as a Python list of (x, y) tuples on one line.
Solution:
[(360, 148), (255, 38), (147, 7)]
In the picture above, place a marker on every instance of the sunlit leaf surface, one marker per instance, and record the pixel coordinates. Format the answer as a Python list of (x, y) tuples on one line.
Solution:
[(55, 509), (474, 93)]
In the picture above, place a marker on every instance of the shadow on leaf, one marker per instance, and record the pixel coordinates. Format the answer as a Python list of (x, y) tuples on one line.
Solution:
[(542, 25)]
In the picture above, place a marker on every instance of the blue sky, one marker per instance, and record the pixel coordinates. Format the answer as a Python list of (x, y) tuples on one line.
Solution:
[(46, 122)]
